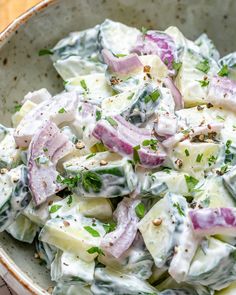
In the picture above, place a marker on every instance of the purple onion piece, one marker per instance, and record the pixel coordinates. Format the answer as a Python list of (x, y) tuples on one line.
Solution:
[(212, 221), (123, 137), (222, 92), (161, 44), (118, 241), (47, 147), (59, 109), (123, 65), (177, 96)]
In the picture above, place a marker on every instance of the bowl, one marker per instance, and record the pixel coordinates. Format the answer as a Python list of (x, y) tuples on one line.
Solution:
[(22, 70)]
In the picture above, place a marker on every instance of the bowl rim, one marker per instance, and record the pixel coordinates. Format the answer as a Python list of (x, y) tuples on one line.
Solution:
[(9, 270)]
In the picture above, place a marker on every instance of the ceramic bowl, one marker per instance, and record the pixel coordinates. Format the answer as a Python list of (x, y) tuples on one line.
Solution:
[(22, 70)]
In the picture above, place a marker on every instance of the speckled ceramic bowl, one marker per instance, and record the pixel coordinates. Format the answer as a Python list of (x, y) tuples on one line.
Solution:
[(21, 70)]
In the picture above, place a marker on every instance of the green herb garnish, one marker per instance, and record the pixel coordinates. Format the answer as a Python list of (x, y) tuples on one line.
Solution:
[(83, 85), (98, 115), (61, 111), (90, 156), (150, 142), (212, 160), (130, 96), (120, 55), (92, 231), (45, 51), (176, 65), (204, 83), (112, 121), (69, 201), (135, 154), (95, 250), (191, 182), (109, 227), (91, 180), (224, 71), (144, 30), (140, 210), (152, 96), (187, 152), (54, 208), (180, 210), (203, 66), (17, 107), (199, 158)]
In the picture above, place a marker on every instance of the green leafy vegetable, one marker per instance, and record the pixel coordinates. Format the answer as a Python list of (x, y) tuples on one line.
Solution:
[(17, 107), (71, 182), (98, 115), (92, 231), (69, 201), (54, 208), (204, 83), (61, 111), (140, 210), (91, 180), (187, 152), (191, 182), (199, 158), (144, 30), (176, 65), (203, 66), (83, 85), (180, 210), (150, 142), (109, 227), (224, 71), (95, 250), (212, 160), (135, 154), (45, 51), (112, 121)]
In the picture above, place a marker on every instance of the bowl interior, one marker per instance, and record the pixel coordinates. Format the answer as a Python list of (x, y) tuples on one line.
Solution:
[(22, 70)]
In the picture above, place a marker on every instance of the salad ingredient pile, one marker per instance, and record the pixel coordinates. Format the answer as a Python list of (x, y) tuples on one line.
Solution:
[(126, 180)]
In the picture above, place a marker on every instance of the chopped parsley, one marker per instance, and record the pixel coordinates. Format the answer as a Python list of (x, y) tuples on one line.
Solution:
[(17, 107), (95, 250), (69, 201), (130, 96), (140, 210), (71, 182), (135, 154), (204, 83), (187, 152), (144, 30), (152, 143), (112, 122), (91, 180), (180, 210), (62, 111), (228, 155), (212, 160), (54, 208), (90, 156), (219, 118), (45, 51), (120, 55), (199, 158), (224, 71), (92, 231), (45, 149), (80, 108), (203, 66), (176, 65), (152, 96), (222, 170), (83, 85), (98, 115), (191, 182), (109, 227)]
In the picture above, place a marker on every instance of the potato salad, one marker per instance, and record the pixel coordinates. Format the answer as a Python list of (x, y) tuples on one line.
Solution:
[(125, 181)]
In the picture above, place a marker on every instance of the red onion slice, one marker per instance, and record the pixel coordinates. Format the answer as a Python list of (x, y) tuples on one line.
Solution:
[(212, 221), (123, 65), (47, 147), (178, 99), (118, 241)]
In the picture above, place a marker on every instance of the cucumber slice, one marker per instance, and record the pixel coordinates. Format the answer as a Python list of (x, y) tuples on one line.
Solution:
[(39, 215), (213, 266), (207, 47), (158, 183), (10, 156), (45, 252), (83, 44), (213, 194), (93, 87), (18, 116), (99, 208), (62, 289), (69, 268), (197, 158), (15, 195), (113, 282), (187, 80), (102, 175), (117, 37), (70, 234), (23, 229), (75, 66), (133, 105), (161, 239)]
